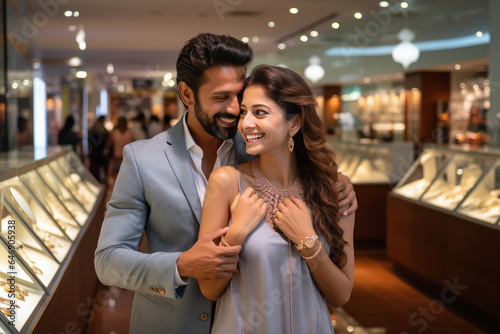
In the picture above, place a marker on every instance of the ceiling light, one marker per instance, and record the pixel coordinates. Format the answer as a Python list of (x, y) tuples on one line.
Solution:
[(245, 40), (110, 68), (76, 14), (255, 39), (114, 78), (171, 83), (405, 52), (72, 28), (366, 80), (404, 4), (121, 88), (36, 65), (15, 85), (282, 46), (82, 45), (167, 76), (479, 34), (81, 74), (462, 85), (303, 38), (26, 82), (74, 61), (457, 67), (335, 25), (164, 83), (68, 13), (314, 71), (294, 10), (358, 15), (271, 24), (314, 33), (383, 3)]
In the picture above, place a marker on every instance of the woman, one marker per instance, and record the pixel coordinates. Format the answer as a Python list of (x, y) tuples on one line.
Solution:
[(118, 139), (297, 249)]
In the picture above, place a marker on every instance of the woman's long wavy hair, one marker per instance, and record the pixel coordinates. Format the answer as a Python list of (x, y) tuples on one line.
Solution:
[(316, 162)]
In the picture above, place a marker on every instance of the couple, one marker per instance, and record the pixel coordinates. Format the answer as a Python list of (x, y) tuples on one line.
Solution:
[(295, 251)]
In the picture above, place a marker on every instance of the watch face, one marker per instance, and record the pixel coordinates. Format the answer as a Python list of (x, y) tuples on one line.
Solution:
[(309, 243)]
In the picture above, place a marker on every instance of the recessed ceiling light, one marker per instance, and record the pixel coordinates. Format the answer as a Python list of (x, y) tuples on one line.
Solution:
[(82, 45), (167, 76), (383, 3), (76, 13), (303, 38), (358, 15), (245, 39), (110, 68), (81, 74), (282, 46), (72, 28), (26, 82), (314, 33), (255, 39), (271, 24), (404, 4), (462, 85), (457, 67), (335, 25), (68, 13), (15, 85), (366, 80), (479, 34), (74, 61), (294, 10)]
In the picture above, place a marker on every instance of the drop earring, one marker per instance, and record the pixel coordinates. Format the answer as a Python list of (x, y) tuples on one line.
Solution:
[(291, 143)]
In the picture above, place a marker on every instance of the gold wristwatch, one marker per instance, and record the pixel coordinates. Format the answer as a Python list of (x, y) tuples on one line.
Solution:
[(307, 243)]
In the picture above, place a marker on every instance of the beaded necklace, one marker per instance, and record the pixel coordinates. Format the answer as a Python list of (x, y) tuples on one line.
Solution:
[(272, 195)]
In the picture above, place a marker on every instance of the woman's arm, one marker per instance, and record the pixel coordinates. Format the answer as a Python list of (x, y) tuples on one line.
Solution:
[(335, 283), (223, 202)]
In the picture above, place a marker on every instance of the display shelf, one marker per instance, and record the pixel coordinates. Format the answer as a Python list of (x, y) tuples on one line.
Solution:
[(49, 201), (372, 162), (461, 182)]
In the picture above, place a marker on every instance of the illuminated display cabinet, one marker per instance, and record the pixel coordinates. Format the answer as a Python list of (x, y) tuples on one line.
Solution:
[(443, 224), (46, 206)]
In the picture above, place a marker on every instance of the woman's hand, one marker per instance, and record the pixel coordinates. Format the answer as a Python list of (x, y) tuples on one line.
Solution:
[(294, 220), (247, 211)]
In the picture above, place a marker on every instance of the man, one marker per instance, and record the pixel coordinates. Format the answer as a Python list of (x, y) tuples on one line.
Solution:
[(160, 190)]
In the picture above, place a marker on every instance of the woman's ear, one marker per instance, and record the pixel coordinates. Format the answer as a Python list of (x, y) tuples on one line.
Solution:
[(186, 94), (297, 123)]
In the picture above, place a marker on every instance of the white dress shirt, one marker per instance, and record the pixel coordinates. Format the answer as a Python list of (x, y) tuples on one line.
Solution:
[(225, 156)]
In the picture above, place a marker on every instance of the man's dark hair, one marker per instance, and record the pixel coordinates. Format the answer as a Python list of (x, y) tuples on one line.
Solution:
[(208, 50)]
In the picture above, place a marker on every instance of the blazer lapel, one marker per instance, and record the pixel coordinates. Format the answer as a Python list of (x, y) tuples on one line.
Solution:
[(179, 161)]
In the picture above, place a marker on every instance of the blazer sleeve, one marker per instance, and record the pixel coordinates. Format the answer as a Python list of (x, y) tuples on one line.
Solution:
[(117, 261)]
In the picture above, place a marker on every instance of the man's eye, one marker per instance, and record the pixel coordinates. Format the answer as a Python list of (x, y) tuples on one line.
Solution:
[(243, 112), (220, 99)]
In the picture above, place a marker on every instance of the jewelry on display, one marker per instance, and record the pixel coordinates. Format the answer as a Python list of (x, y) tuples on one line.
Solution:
[(314, 255), (7, 302), (307, 243), (31, 263), (291, 143), (272, 195)]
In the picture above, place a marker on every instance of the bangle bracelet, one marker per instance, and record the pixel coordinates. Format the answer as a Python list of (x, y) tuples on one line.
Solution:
[(314, 255), (223, 242)]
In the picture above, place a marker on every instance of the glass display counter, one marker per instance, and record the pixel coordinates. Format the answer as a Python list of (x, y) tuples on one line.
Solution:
[(372, 162), (466, 183), (45, 205)]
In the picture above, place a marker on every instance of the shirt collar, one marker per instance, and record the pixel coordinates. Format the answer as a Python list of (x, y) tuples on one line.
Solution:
[(191, 145)]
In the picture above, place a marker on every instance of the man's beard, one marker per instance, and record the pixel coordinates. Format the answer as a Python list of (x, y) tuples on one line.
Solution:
[(210, 125)]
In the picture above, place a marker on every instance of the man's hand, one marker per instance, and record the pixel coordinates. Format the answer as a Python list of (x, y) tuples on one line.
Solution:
[(347, 197), (206, 260)]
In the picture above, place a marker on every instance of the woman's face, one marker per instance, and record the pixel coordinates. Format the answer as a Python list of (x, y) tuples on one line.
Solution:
[(262, 122)]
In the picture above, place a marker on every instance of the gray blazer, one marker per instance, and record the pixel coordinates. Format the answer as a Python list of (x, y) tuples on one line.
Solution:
[(155, 192)]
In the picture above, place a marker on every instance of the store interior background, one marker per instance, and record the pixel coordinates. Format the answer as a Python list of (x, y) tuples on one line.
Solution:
[(113, 57)]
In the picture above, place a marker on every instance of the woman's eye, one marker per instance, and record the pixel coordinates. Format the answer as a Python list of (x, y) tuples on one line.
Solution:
[(260, 112)]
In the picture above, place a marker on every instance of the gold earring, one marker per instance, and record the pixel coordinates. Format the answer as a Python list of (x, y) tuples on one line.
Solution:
[(291, 143)]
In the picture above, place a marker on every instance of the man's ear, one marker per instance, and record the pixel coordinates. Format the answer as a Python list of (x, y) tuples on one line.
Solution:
[(297, 123), (186, 94)]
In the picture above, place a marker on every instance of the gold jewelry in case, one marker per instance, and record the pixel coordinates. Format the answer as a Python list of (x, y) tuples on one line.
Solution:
[(19, 292), (7, 302), (31, 263)]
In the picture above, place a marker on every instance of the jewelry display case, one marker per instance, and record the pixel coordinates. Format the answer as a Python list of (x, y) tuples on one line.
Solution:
[(46, 204), (373, 168), (443, 224), (372, 162), (465, 183)]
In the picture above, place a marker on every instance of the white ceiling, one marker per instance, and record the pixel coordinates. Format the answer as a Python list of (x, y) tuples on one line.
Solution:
[(143, 38)]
